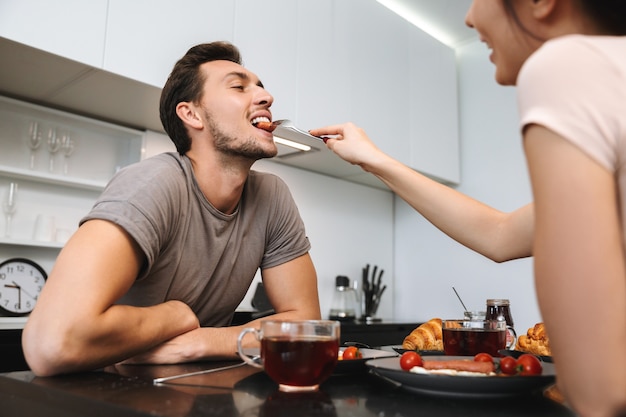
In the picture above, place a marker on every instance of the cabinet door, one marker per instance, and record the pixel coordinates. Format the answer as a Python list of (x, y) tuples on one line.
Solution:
[(433, 108), (265, 32), (374, 45), (323, 95), (146, 38), (70, 28)]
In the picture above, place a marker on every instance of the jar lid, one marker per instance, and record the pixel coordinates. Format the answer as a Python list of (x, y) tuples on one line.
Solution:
[(498, 302), (342, 281)]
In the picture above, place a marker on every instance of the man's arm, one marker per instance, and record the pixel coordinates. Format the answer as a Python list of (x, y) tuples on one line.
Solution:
[(76, 326), (292, 290)]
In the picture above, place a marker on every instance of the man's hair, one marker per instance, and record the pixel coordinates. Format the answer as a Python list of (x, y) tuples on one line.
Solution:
[(185, 84)]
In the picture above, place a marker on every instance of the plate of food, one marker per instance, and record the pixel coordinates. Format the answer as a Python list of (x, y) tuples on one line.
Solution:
[(401, 350), (462, 382), (517, 353), (352, 358)]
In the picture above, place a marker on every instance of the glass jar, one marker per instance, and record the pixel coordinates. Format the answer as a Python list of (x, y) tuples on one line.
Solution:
[(500, 309), (344, 303)]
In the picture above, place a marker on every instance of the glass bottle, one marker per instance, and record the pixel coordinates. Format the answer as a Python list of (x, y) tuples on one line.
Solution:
[(500, 309), (344, 303)]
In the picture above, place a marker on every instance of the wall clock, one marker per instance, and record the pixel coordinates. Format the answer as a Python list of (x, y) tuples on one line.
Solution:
[(21, 282)]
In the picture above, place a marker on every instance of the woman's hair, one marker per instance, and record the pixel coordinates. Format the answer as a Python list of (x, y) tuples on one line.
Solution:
[(185, 84), (610, 15)]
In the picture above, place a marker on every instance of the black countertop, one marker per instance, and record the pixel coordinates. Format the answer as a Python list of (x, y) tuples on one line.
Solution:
[(126, 391)]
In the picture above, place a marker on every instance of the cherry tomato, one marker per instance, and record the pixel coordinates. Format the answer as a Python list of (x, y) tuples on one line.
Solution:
[(483, 357), (352, 352), (528, 364), (508, 365), (410, 359)]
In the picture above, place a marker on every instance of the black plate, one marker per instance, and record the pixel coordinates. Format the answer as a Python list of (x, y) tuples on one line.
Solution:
[(358, 365), (401, 350), (461, 386), (517, 353), (346, 366)]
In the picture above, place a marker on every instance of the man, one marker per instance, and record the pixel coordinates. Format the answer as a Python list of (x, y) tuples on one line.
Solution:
[(157, 268)]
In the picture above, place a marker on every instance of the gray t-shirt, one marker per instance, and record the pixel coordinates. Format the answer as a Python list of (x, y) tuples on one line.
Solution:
[(194, 252)]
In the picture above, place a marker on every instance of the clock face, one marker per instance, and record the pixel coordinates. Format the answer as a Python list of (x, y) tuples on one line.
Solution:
[(21, 281)]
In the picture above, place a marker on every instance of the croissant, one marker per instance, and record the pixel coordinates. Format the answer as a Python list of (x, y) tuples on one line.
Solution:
[(535, 341), (427, 336)]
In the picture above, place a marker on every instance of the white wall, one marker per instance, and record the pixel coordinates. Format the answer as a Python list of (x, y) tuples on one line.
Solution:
[(493, 170)]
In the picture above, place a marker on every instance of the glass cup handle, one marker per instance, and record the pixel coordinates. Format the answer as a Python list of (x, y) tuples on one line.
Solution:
[(511, 333), (242, 355)]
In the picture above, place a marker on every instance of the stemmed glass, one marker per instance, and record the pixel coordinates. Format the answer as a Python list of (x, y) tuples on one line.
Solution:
[(33, 141), (9, 204), (54, 144), (67, 146)]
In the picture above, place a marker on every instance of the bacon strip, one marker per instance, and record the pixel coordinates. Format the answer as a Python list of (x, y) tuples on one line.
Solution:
[(460, 365)]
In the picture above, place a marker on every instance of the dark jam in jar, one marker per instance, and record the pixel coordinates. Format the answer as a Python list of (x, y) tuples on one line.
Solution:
[(500, 309)]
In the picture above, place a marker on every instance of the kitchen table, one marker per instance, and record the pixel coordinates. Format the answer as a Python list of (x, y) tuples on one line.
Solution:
[(125, 391)]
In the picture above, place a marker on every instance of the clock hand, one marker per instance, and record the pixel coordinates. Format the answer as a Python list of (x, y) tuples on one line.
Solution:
[(19, 294), (27, 293)]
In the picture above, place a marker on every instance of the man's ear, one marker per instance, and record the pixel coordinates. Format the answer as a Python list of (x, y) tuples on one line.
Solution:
[(186, 111)]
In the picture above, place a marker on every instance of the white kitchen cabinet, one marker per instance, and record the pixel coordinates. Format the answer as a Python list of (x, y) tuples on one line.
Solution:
[(374, 43), (265, 33), (323, 90), (65, 190), (145, 38), (434, 121), (73, 29)]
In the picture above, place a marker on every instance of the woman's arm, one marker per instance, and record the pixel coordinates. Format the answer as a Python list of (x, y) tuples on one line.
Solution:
[(497, 235), (580, 271)]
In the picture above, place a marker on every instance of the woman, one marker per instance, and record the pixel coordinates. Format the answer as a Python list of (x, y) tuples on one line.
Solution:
[(568, 60)]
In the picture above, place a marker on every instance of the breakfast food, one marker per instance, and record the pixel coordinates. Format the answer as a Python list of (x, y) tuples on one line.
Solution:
[(460, 365), (427, 336), (535, 341), (269, 126)]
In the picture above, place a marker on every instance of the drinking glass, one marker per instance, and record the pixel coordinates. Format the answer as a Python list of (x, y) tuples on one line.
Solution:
[(33, 140), (54, 144), (471, 337), (298, 355), (67, 146), (9, 205)]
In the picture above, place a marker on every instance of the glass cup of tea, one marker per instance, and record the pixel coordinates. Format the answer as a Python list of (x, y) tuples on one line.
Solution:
[(470, 337), (298, 355)]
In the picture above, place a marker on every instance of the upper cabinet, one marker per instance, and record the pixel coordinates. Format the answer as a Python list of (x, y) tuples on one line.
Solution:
[(144, 39), (73, 29), (324, 62), (265, 33), (433, 118)]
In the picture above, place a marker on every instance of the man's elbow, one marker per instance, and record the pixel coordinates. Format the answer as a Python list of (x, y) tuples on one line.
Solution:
[(49, 354)]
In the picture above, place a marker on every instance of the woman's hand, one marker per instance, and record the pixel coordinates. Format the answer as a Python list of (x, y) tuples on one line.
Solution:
[(352, 144)]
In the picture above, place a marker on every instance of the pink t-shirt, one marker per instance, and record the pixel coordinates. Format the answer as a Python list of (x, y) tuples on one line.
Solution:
[(575, 85)]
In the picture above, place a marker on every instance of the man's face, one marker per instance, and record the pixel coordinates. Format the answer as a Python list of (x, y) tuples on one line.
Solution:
[(233, 101)]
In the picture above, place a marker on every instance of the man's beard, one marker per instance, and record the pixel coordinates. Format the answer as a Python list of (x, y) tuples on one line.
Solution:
[(248, 148)]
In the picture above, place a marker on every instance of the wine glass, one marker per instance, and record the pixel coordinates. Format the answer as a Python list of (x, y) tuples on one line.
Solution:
[(67, 146), (33, 140), (54, 144), (9, 204)]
